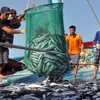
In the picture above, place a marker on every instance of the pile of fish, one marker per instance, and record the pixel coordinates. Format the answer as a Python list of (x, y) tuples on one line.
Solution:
[(66, 90), (47, 64)]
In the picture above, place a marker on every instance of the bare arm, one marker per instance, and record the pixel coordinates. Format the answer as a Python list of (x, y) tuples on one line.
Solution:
[(14, 21), (81, 43), (12, 31), (18, 19), (82, 47)]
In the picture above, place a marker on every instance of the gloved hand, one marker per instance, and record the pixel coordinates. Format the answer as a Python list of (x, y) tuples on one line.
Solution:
[(23, 31), (82, 52)]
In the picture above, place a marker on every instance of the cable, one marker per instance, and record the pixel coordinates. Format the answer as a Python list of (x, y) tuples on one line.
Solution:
[(93, 12), (28, 4), (34, 2)]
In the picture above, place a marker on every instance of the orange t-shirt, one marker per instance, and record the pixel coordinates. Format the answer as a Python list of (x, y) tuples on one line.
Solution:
[(74, 44)]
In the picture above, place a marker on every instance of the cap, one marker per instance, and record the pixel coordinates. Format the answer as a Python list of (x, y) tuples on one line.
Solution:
[(5, 10), (13, 11)]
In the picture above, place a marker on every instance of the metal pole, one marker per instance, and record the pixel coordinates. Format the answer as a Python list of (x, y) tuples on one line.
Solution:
[(7, 45)]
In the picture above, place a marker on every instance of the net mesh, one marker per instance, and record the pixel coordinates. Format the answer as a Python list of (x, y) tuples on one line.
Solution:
[(45, 31)]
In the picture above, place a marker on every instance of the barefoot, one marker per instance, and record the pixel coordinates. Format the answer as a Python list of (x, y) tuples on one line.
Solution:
[(75, 78), (94, 77), (1, 76)]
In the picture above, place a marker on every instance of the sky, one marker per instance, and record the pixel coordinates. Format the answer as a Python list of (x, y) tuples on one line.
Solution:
[(76, 12)]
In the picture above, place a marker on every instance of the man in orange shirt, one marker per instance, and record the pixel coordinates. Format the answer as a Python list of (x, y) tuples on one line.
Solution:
[(75, 47)]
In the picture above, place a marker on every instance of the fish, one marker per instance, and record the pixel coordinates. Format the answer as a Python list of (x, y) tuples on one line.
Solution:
[(65, 90)]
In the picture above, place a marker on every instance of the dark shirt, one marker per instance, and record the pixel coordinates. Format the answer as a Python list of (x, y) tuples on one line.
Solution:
[(3, 34), (97, 39), (14, 26), (8, 37)]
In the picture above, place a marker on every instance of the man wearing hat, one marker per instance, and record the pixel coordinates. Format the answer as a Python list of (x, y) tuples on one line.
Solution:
[(12, 17), (4, 30)]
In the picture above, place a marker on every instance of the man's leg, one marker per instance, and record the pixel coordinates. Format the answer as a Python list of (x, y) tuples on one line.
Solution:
[(1, 76), (1, 62), (76, 63), (96, 63), (95, 72), (75, 72), (5, 57)]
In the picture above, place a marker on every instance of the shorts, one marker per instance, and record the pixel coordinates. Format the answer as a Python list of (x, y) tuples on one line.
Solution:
[(4, 53), (97, 58), (74, 58)]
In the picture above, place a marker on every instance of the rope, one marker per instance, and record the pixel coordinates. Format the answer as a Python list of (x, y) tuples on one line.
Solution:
[(93, 12), (26, 48), (34, 2), (62, 1), (28, 4)]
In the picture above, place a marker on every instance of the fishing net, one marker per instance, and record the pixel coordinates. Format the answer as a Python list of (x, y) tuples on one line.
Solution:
[(45, 31)]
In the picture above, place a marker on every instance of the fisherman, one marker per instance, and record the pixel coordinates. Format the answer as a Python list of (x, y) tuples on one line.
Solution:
[(10, 37), (13, 16), (97, 54), (75, 47), (4, 30)]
